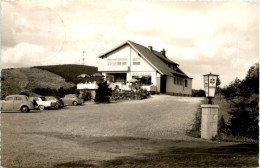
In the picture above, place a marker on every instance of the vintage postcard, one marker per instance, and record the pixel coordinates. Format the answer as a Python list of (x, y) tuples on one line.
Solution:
[(119, 83)]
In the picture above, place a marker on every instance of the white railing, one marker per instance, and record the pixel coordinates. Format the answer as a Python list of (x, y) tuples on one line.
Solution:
[(87, 86), (150, 88), (113, 68), (91, 86)]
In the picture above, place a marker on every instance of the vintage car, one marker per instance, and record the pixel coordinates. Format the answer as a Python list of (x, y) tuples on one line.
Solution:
[(16, 103), (71, 99), (41, 103), (56, 99)]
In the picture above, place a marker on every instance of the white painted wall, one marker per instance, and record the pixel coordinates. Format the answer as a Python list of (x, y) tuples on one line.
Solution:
[(129, 53), (144, 66), (174, 88), (123, 52)]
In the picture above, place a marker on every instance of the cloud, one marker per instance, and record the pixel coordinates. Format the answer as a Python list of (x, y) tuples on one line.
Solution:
[(22, 55), (203, 37)]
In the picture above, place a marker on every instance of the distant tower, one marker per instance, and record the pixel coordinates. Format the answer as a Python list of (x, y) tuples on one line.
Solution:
[(83, 57)]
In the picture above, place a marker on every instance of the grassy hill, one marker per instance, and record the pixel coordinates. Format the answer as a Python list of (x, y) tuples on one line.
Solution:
[(17, 80), (70, 71)]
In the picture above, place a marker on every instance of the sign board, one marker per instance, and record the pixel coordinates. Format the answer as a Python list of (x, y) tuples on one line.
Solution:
[(206, 85), (210, 83)]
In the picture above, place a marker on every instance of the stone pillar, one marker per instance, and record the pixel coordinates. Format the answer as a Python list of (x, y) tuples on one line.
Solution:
[(93, 94), (209, 121)]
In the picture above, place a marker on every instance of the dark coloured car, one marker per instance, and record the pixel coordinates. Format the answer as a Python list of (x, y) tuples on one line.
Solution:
[(56, 99)]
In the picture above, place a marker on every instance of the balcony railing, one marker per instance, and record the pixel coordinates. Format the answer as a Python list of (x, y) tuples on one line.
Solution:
[(150, 88), (87, 86), (113, 68)]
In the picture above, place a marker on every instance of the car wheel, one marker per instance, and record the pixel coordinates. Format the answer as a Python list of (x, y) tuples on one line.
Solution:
[(56, 106), (24, 109), (41, 107), (75, 103)]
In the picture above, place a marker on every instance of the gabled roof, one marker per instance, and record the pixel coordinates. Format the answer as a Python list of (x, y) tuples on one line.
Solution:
[(154, 58), (161, 56)]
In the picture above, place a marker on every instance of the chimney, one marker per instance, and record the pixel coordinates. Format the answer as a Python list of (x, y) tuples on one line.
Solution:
[(163, 52), (150, 48)]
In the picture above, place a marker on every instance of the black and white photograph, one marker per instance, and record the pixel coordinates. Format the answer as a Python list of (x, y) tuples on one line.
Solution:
[(129, 83)]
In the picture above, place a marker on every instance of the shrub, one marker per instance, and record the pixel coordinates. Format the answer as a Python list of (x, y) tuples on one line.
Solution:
[(134, 94), (85, 95), (103, 93), (196, 125), (24, 93), (61, 92), (244, 98), (198, 93), (244, 118)]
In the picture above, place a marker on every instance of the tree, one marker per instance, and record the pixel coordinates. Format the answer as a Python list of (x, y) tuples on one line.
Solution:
[(103, 93), (244, 96)]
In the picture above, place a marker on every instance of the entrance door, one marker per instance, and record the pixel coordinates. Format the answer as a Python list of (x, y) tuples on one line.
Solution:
[(163, 84)]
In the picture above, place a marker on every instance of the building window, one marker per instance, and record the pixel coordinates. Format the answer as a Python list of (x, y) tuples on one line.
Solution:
[(124, 60), (116, 61), (186, 83), (179, 81), (119, 62), (136, 61)]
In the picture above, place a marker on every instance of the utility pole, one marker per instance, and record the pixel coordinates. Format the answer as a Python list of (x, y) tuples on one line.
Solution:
[(83, 57)]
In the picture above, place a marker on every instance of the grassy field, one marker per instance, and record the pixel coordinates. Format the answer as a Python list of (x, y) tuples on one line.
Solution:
[(17, 80), (70, 71)]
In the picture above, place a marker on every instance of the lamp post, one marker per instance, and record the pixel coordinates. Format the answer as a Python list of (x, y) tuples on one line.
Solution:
[(209, 118), (210, 84)]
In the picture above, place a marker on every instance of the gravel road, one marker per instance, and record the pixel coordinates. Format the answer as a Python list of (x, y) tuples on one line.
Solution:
[(95, 132)]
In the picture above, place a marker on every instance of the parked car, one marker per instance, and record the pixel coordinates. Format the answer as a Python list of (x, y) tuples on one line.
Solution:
[(16, 103), (41, 103), (56, 99), (71, 99)]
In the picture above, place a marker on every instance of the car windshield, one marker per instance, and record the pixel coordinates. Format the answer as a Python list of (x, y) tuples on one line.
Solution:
[(43, 99)]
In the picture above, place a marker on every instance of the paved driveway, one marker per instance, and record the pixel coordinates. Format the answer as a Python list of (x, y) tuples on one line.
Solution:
[(96, 132)]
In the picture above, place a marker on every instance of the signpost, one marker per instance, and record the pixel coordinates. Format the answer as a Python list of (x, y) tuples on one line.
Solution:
[(210, 84), (209, 118)]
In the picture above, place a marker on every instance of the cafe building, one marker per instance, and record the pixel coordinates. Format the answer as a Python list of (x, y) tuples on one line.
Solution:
[(130, 61)]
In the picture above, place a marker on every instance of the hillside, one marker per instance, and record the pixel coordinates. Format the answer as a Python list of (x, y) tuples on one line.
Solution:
[(70, 71), (17, 80)]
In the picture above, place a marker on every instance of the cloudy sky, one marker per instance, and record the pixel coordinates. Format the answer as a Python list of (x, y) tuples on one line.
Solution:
[(203, 37)]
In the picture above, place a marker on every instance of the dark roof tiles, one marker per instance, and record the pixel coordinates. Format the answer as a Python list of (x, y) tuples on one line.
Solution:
[(152, 57), (155, 58)]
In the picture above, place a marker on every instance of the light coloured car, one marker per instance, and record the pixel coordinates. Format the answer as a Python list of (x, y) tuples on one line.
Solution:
[(71, 99), (42, 103), (17, 103)]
